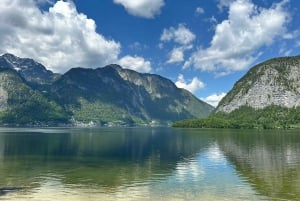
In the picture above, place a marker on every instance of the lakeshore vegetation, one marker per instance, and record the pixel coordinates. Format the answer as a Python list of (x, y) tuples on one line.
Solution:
[(248, 118)]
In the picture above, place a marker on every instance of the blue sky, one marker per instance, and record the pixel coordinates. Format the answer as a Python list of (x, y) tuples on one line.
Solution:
[(204, 46)]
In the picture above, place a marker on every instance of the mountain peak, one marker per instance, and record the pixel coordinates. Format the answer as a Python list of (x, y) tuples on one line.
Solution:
[(10, 56), (274, 82), (112, 95), (29, 69), (115, 66)]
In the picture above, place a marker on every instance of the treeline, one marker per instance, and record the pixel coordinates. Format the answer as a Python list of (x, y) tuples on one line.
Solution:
[(248, 118), (212, 122)]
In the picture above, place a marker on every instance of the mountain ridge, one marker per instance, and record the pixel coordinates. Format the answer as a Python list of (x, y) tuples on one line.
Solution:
[(107, 96), (147, 97)]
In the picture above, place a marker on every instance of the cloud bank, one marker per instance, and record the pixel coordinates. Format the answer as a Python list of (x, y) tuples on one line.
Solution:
[(237, 40), (60, 38)]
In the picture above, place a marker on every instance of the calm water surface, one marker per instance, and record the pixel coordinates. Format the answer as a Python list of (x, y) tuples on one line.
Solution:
[(149, 164)]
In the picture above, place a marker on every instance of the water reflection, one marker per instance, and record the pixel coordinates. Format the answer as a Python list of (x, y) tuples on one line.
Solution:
[(268, 160), (149, 164), (106, 157)]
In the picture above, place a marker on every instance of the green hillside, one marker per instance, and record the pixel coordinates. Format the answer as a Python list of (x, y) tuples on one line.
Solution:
[(20, 104)]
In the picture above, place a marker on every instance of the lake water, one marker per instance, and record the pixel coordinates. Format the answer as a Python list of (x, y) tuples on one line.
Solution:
[(149, 164)]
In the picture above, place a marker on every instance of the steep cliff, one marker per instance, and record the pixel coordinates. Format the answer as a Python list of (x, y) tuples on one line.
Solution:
[(274, 82), (268, 96)]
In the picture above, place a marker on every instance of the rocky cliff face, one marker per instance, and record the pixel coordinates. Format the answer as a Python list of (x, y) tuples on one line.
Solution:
[(274, 82)]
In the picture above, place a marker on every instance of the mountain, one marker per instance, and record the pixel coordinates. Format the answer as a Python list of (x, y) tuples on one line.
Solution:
[(113, 95), (274, 82), (31, 94), (20, 104), (268, 96), (32, 71)]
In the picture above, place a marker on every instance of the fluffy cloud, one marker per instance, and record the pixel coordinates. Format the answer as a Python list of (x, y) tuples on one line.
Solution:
[(194, 86), (214, 99), (237, 40), (180, 35), (60, 38), (142, 8), (135, 63), (176, 55)]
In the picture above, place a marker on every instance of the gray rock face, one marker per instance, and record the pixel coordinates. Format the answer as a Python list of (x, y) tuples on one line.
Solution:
[(274, 82), (153, 84)]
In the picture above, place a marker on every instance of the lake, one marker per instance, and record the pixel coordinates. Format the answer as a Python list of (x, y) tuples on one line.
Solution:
[(149, 164)]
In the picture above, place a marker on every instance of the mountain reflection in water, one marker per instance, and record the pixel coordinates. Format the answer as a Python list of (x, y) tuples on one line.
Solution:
[(149, 164), (269, 160)]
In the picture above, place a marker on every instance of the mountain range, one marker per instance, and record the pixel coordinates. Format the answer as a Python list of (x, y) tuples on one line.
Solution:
[(111, 96)]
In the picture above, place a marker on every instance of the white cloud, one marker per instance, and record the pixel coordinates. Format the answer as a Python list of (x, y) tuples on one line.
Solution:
[(142, 8), (194, 86), (60, 38), (181, 35), (176, 55), (200, 10), (238, 39), (135, 63), (214, 99)]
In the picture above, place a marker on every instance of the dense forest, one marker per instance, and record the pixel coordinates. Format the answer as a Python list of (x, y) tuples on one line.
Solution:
[(248, 118)]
